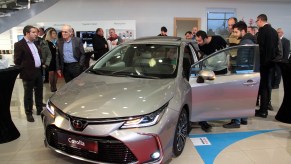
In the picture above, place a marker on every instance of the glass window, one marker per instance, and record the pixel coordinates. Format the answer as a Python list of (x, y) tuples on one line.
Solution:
[(234, 60), (140, 60), (217, 21)]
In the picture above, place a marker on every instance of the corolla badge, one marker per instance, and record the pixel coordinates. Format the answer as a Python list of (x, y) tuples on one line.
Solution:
[(75, 142)]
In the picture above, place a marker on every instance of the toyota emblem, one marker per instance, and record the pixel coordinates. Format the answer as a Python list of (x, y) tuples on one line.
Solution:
[(77, 124)]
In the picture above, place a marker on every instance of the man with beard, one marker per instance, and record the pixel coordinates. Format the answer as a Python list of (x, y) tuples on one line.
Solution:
[(208, 45), (240, 31)]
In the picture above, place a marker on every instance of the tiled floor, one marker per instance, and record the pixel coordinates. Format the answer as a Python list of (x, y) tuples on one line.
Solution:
[(271, 147)]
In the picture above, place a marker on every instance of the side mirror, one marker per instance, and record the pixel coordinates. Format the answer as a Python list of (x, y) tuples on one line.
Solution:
[(206, 75)]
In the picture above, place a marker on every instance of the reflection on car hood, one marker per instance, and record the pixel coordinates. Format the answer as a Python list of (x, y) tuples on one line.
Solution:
[(96, 96)]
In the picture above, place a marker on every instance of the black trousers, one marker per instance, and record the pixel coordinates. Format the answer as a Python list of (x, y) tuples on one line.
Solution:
[(35, 85), (265, 89), (276, 78), (71, 70)]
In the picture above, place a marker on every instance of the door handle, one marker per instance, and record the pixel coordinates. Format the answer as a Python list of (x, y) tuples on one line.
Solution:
[(250, 83)]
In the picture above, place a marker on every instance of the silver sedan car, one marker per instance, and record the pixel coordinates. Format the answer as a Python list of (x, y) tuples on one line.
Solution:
[(135, 104)]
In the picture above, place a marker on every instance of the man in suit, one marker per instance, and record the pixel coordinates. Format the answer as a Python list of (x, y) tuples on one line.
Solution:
[(285, 43), (27, 55), (285, 52), (268, 41), (71, 53)]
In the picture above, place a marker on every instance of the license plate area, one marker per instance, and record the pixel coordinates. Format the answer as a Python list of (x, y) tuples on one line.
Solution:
[(78, 142)]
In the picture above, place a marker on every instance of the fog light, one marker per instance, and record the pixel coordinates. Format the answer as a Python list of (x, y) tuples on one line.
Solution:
[(156, 155)]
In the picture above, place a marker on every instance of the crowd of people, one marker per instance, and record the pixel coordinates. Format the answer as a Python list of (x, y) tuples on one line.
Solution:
[(42, 52), (272, 46)]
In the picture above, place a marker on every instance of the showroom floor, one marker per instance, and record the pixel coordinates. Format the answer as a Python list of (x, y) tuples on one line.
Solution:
[(261, 141)]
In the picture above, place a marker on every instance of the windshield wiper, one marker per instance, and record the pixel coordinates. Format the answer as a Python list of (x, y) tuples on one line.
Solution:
[(98, 72), (131, 74), (142, 76)]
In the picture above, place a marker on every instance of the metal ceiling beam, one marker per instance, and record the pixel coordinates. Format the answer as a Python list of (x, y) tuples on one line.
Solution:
[(20, 16), (5, 10)]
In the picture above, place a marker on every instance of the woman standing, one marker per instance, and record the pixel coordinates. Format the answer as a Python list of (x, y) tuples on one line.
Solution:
[(51, 38)]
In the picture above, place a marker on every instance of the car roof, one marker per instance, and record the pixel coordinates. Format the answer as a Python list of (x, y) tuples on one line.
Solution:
[(167, 40)]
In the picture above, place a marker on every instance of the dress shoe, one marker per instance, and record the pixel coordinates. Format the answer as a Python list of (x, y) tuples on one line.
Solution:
[(243, 122), (38, 113), (205, 126), (261, 114), (270, 107), (231, 125), (29, 118), (53, 90), (275, 87)]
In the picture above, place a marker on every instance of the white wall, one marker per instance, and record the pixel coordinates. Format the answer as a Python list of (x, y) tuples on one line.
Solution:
[(150, 15)]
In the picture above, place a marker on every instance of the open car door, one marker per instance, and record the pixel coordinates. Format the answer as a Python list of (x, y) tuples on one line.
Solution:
[(225, 84)]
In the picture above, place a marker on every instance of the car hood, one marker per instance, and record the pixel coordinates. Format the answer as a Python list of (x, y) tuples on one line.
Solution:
[(97, 96)]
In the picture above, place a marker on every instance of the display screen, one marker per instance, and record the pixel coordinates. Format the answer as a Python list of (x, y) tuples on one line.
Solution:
[(87, 37), (19, 37)]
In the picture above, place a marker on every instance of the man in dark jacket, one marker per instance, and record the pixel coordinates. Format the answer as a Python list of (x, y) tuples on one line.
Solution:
[(268, 41), (208, 45), (240, 31), (71, 54), (27, 55), (100, 44), (285, 52)]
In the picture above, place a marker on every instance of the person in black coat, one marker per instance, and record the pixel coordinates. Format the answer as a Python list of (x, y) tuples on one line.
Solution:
[(100, 44), (27, 55), (268, 41), (285, 50)]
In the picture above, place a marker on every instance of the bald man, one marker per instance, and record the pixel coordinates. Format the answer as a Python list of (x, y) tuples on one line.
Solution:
[(285, 49), (72, 54)]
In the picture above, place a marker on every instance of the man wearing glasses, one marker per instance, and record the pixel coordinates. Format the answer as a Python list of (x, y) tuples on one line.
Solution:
[(268, 41)]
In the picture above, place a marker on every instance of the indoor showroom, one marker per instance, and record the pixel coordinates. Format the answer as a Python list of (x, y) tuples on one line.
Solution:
[(131, 81)]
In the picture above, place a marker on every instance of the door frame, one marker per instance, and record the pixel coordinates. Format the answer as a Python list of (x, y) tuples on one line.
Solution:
[(185, 19)]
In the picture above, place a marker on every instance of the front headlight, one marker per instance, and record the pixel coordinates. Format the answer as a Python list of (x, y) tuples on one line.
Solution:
[(50, 107), (146, 120)]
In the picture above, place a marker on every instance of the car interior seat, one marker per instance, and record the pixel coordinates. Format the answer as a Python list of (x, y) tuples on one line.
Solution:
[(144, 59)]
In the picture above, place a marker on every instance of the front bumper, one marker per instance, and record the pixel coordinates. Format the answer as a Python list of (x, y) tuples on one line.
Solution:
[(118, 146)]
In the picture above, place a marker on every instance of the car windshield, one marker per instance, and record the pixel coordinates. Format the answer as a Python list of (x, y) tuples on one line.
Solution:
[(139, 61)]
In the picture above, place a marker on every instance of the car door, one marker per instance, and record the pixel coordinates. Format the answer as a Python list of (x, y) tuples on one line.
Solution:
[(229, 95)]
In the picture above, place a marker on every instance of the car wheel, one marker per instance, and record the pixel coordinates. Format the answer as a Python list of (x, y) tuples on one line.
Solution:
[(181, 133)]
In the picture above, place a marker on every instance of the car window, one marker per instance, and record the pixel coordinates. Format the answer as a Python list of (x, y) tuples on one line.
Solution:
[(233, 60), (151, 60)]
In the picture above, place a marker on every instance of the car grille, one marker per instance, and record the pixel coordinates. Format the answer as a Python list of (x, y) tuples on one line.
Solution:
[(110, 150)]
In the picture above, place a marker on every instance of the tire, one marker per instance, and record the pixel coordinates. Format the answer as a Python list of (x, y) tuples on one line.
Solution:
[(181, 133)]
